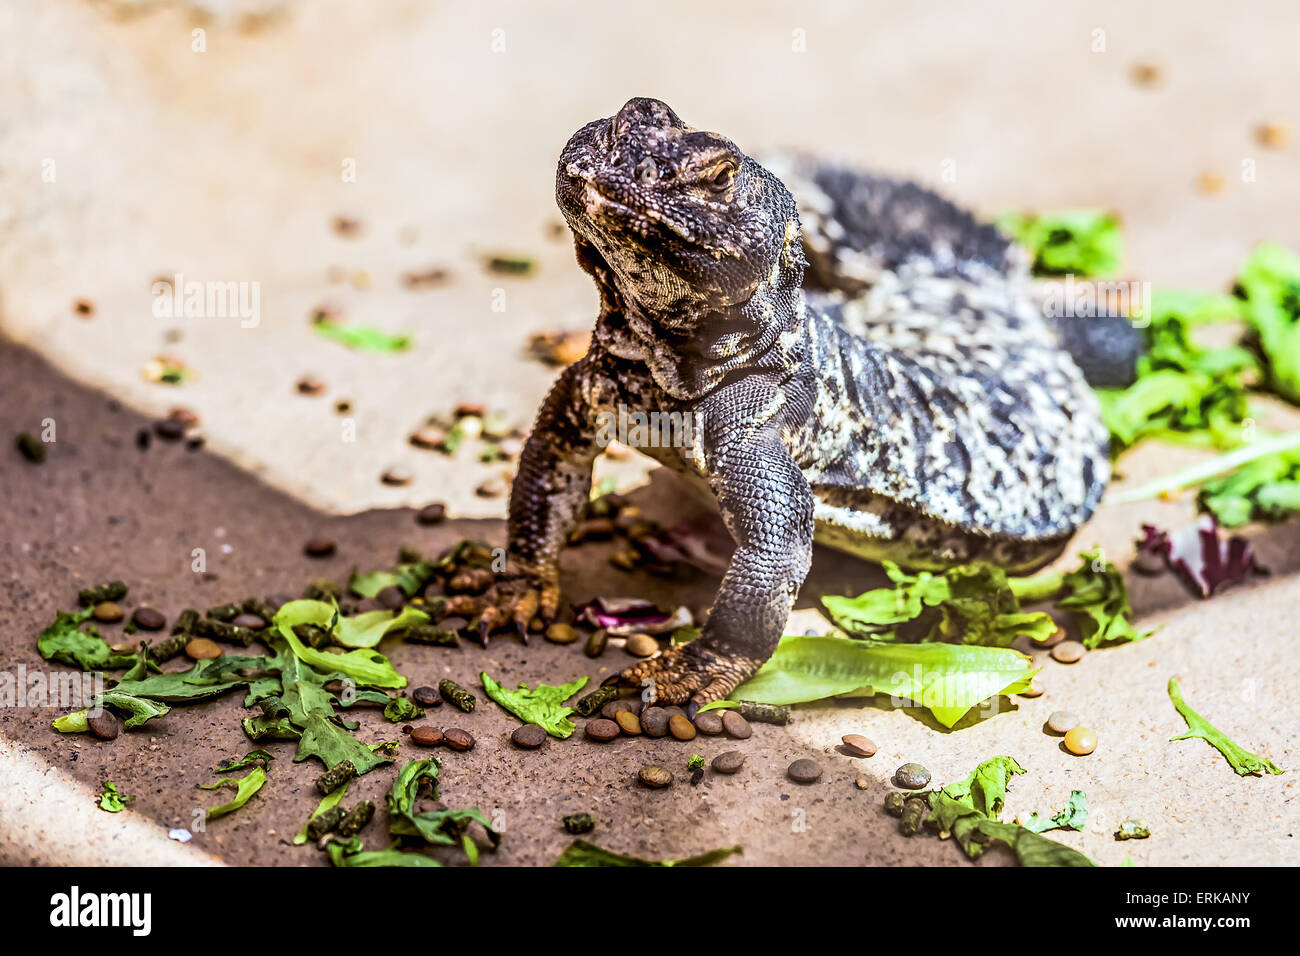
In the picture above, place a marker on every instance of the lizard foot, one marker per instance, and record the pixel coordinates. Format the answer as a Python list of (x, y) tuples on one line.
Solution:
[(690, 672), (517, 599)]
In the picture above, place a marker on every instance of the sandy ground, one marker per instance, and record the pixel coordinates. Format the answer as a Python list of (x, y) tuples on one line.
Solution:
[(128, 156)]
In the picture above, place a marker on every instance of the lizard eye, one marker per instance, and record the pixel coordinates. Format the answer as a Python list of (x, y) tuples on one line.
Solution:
[(647, 171), (723, 178)]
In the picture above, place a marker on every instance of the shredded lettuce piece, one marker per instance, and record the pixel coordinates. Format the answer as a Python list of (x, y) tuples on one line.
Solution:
[(582, 853), (543, 705), (1238, 757)]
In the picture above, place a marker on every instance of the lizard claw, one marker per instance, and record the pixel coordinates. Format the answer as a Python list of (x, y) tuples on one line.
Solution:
[(691, 674), (518, 600)]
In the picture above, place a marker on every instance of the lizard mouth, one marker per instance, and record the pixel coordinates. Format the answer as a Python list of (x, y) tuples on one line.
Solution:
[(599, 204)]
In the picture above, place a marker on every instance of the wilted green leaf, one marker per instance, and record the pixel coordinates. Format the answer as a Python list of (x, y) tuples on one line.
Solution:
[(63, 643), (582, 853), (245, 787), (543, 706), (1073, 817), (111, 799), (1241, 759)]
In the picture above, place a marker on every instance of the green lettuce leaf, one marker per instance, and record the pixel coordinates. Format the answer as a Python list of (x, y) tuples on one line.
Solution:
[(207, 678), (368, 629), (1270, 280), (949, 679), (438, 827), (582, 853), (254, 758), (350, 853), (1239, 758), (543, 706), (1081, 242), (1094, 594), (365, 666), (328, 802), (63, 643), (364, 338), (111, 799), (409, 576), (245, 787), (969, 810), (1073, 817)]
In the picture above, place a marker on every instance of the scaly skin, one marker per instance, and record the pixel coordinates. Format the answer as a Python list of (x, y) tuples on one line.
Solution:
[(932, 423)]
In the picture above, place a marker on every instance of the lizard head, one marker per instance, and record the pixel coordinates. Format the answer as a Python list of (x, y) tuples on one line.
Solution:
[(676, 213)]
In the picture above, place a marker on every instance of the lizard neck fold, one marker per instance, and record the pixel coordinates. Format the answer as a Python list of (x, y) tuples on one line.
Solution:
[(691, 346)]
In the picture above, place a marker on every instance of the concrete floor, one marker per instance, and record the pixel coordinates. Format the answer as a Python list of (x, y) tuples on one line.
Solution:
[(225, 166)]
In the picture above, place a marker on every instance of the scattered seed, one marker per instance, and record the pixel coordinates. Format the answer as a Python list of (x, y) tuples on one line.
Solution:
[(427, 696), (310, 386), (108, 612), (202, 649), (336, 776), (654, 722), (596, 643), (391, 598), (641, 645), (680, 727), (1145, 74), (1068, 652), (1053, 639), (655, 777), (804, 770), (629, 723), (859, 745), (169, 429), (253, 622), (1273, 135), (397, 475), (429, 437), (457, 695), (529, 737), (736, 726), (426, 736), (630, 704), (1080, 741), (347, 227), (425, 279), (84, 308), (1210, 183), (492, 488), (458, 739), (319, 547), (561, 634), (862, 783), (1033, 690), (576, 823), (431, 514), (1062, 722), (598, 698), (709, 723), (729, 762), (31, 447), (1133, 829), (911, 776), (149, 619), (104, 725), (601, 730)]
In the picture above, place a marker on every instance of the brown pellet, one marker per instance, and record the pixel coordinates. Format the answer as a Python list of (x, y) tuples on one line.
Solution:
[(319, 547), (149, 619), (735, 725), (529, 737), (201, 649), (253, 622), (427, 696), (426, 736), (431, 514), (108, 612), (729, 762), (680, 727), (859, 745), (561, 634), (654, 722), (628, 722), (655, 777), (601, 730), (104, 725), (596, 643), (458, 739), (1068, 652), (709, 723), (641, 645), (804, 770)]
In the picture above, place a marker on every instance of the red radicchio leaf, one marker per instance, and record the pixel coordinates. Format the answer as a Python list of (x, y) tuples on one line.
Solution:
[(621, 616), (1199, 555)]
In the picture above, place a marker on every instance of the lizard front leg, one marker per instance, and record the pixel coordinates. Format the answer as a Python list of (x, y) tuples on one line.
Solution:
[(767, 506), (548, 498)]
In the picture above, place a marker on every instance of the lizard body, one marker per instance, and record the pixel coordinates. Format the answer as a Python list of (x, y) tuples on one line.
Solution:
[(867, 367)]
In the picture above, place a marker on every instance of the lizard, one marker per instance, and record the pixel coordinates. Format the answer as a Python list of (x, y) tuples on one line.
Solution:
[(865, 366)]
